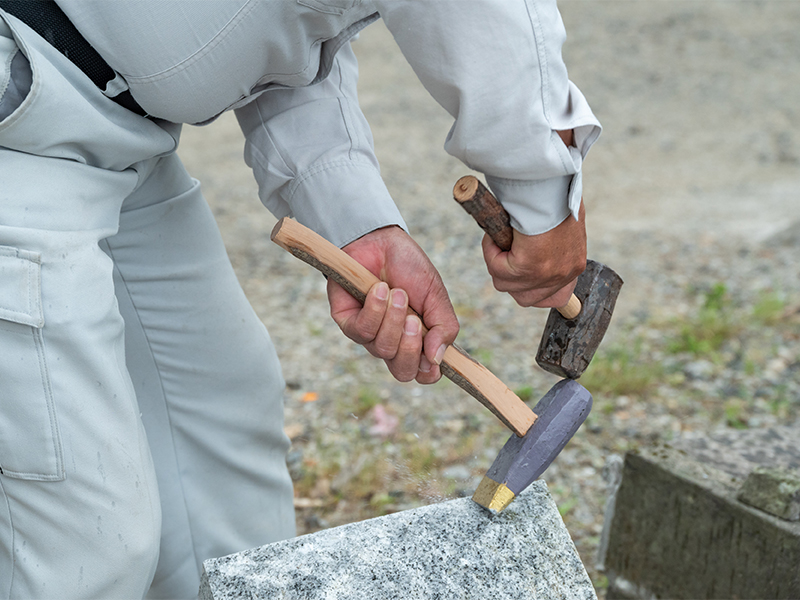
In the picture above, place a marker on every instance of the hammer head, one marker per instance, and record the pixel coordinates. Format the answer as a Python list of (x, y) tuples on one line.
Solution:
[(523, 459), (568, 345)]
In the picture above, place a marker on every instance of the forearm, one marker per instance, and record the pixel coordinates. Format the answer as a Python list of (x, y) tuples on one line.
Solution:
[(312, 154), (496, 67)]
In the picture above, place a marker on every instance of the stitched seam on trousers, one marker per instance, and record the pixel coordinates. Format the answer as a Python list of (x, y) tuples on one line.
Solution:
[(31, 293), (44, 374), (166, 404), (13, 540), (38, 340)]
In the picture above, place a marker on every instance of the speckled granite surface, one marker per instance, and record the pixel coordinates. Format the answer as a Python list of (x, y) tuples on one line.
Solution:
[(739, 451), (451, 550)]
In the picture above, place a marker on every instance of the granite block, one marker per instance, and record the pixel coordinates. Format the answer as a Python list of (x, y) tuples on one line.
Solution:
[(678, 531), (451, 550)]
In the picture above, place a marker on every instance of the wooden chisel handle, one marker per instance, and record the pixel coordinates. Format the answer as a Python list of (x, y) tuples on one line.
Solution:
[(457, 366), (473, 196)]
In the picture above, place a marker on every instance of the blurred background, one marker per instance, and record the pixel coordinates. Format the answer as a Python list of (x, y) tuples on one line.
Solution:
[(692, 196)]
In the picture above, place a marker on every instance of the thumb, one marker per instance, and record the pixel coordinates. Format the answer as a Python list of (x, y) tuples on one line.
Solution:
[(498, 261)]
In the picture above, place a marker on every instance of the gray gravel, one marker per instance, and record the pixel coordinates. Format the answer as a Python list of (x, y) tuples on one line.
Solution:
[(694, 183)]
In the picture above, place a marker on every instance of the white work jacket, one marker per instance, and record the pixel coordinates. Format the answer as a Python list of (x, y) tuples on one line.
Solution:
[(287, 69)]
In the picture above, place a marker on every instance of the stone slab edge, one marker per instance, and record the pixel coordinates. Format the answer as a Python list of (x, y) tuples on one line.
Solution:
[(454, 549)]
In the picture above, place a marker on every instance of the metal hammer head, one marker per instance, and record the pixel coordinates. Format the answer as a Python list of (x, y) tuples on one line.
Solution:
[(568, 345), (523, 459)]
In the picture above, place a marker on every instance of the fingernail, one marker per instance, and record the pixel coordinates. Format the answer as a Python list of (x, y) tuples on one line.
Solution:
[(398, 298), (382, 291), (424, 364), (439, 354), (411, 326)]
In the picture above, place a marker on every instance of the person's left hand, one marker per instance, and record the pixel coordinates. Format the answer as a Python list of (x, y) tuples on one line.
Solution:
[(382, 325)]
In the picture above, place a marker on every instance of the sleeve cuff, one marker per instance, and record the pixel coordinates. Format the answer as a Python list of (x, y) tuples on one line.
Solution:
[(537, 206), (342, 201), (552, 201)]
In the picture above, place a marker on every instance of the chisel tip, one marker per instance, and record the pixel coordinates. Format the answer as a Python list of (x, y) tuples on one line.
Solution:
[(493, 496)]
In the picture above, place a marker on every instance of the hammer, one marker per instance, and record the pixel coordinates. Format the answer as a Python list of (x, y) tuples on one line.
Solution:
[(572, 332), (539, 436)]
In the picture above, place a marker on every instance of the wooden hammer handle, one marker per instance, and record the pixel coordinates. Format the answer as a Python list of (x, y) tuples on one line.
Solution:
[(478, 201), (457, 366)]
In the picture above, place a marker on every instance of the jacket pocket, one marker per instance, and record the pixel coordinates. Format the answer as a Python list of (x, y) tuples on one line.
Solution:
[(30, 444)]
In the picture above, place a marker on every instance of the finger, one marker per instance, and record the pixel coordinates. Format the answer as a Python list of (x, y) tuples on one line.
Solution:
[(405, 365), (506, 275), (440, 319), (388, 336), (443, 325), (508, 278), (435, 343), (551, 297), (496, 260), (360, 324), (560, 298), (428, 372)]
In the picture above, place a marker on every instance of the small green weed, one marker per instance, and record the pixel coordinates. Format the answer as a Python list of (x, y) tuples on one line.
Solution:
[(566, 507), (525, 393), (313, 328), (769, 309), (706, 332), (366, 400), (716, 298), (482, 355), (420, 458), (619, 371), (735, 410), (780, 404), (380, 499), (601, 582), (749, 366), (780, 407)]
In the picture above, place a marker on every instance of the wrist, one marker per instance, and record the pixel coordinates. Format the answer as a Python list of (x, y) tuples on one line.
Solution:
[(567, 136)]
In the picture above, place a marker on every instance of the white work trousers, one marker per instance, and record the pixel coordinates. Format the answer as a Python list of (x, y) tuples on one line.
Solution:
[(141, 426)]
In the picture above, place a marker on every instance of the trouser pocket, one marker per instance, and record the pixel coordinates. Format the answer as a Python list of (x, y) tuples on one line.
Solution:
[(30, 445)]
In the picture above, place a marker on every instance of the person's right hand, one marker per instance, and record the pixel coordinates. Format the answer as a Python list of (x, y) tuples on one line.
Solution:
[(540, 270)]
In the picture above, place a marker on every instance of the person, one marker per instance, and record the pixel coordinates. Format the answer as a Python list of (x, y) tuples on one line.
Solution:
[(141, 413)]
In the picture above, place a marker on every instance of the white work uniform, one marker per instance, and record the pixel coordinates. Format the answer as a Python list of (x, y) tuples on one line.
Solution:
[(119, 310)]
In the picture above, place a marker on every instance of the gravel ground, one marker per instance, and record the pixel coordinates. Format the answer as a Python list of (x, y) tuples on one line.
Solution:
[(692, 196)]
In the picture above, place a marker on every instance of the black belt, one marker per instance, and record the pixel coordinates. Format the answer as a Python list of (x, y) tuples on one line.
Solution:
[(49, 21)]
